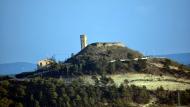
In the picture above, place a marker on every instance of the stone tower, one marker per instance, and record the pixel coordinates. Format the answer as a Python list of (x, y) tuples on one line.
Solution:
[(83, 40)]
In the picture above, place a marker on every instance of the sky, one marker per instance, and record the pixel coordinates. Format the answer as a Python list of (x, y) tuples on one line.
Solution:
[(31, 30)]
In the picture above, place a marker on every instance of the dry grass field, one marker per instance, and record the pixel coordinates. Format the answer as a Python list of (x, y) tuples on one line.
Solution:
[(151, 82)]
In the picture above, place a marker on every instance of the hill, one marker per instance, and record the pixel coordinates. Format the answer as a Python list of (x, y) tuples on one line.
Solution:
[(183, 58), (112, 58), (104, 51), (116, 59), (15, 68), (108, 74), (97, 57)]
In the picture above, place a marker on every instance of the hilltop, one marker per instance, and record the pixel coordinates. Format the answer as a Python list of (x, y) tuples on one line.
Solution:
[(104, 51)]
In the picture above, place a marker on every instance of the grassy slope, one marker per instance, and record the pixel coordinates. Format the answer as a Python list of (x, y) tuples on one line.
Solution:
[(152, 82)]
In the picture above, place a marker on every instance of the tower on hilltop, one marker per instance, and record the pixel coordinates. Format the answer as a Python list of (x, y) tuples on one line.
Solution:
[(83, 41)]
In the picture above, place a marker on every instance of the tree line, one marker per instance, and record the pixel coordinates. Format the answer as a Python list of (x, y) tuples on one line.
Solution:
[(52, 92)]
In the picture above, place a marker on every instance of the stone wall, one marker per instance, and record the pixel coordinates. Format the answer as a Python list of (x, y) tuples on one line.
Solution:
[(106, 44)]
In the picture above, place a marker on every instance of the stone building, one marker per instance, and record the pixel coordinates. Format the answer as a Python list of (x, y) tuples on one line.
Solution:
[(44, 63)]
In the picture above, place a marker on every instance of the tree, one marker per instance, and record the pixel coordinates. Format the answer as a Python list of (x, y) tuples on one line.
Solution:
[(167, 63), (19, 105), (130, 55), (126, 82), (66, 100), (21, 90), (106, 81), (140, 95), (111, 68), (36, 103), (3, 92), (122, 90), (78, 101), (142, 64), (52, 94), (5, 102), (96, 81), (5, 83)]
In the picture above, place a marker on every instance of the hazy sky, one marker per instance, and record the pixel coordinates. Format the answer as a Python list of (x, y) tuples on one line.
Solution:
[(34, 29)]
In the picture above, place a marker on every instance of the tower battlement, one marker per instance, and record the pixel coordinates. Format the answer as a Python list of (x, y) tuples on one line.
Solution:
[(107, 44)]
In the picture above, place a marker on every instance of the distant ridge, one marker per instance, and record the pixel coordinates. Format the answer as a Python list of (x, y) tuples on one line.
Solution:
[(16, 67), (183, 58)]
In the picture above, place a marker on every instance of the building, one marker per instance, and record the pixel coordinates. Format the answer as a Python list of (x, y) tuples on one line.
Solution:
[(83, 40), (44, 63)]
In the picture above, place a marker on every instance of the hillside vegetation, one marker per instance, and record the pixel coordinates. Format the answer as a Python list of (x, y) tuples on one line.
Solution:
[(51, 92), (121, 64), (98, 60), (100, 76)]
